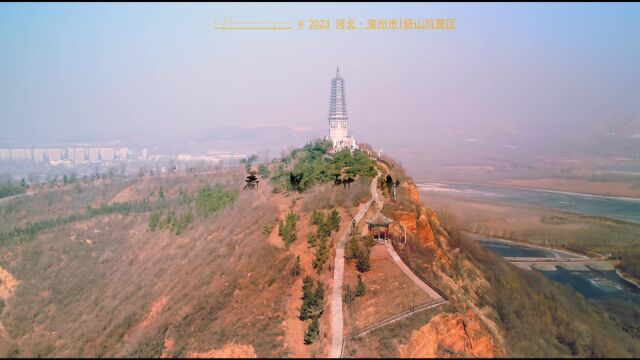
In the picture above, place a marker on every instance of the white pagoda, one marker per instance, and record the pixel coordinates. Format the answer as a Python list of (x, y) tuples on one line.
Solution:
[(338, 130)]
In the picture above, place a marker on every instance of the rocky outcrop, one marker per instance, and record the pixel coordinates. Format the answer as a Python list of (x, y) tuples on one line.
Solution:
[(417, 220), (450, 335)]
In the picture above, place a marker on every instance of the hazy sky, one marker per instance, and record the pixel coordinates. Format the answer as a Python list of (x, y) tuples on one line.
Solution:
[(509, 71)]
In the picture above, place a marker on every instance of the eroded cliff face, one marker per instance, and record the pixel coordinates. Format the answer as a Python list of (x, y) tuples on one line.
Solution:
[(417, 220), (450, 334), (467, 331)]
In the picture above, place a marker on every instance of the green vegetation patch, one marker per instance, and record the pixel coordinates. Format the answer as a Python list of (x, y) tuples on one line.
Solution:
[(210, 200), (29, 231), (312, 307), (325, 226), (9, 187), (312, 165), (287, 229)]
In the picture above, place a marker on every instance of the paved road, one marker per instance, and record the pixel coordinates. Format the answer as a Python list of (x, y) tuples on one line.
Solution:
[(337, 321)]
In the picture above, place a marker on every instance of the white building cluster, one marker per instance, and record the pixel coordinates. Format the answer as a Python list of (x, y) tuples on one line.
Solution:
[(55, 155)]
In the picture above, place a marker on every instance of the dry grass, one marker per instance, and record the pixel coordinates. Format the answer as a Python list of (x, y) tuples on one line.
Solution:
[(389, 291), (385, 341), (221, 279), (55, 203), (328, 196)]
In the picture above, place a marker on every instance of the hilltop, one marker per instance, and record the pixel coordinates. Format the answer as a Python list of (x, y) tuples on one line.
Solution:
[(198, 265)]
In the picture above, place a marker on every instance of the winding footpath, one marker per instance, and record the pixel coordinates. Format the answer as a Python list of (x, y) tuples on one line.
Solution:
[(337, 321), (405, 269)]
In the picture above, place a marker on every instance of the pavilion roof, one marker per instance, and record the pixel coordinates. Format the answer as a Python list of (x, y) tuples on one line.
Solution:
[(379, 220)]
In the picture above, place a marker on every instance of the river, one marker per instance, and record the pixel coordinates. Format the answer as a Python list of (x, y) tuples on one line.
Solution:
[(592, 284), (620, 208)]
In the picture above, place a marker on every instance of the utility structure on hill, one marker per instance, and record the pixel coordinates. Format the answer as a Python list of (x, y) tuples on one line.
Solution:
[(338, 129)]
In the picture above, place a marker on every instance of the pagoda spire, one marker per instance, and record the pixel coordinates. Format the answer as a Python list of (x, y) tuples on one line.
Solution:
[(338, 128)]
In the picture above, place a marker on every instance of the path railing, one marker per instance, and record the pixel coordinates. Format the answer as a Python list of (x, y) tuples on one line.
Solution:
[(405, 259), (391, 319)]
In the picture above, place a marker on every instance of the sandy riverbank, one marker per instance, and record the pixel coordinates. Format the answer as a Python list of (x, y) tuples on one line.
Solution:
[(603, 188)]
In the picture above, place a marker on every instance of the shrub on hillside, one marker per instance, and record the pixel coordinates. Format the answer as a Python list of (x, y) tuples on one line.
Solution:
[(362, 260), (287, 229), (312, 301), (321, 255), (312, 331), (361, 288), (295, 270), (210, 200), (154, 221)]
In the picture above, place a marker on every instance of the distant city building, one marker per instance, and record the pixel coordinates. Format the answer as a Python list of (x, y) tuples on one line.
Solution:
[(20, 154), (145, 154), (71, 154), (79, 155), (338, 131), (232, 156), (192, 157), (94, 154), (123, 154), (38, 155), (54, 154), (5, 154), (106, 154)]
